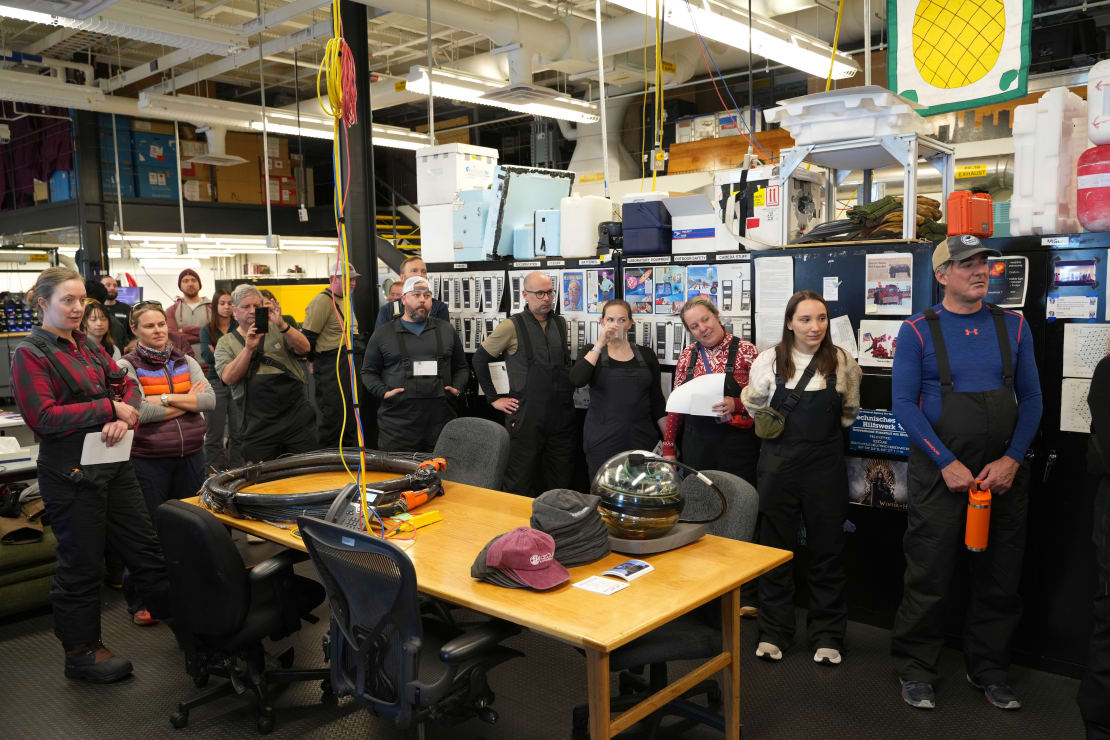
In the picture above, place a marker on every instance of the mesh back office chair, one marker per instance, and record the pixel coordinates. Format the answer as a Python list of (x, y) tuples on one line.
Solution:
[(476, 450), (693, 636), (222, 610), (401, 665)]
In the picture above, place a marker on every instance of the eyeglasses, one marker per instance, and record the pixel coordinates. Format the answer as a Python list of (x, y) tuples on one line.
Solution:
[(541, 293)]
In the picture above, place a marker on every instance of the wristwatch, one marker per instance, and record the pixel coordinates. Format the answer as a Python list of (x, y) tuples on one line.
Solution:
[(165, 399)]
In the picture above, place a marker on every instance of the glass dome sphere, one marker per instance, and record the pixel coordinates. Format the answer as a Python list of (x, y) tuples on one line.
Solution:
[(640, 496)]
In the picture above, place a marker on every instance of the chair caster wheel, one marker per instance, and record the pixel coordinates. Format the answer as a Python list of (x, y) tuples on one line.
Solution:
[(265, 725), (179, 719)]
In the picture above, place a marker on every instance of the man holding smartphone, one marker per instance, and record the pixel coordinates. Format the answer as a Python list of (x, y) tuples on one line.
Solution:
[(259, 361)]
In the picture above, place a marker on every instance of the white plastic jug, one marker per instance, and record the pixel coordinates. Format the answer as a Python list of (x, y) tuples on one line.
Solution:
[(1049, 136), (1098, 103), (578, 220)]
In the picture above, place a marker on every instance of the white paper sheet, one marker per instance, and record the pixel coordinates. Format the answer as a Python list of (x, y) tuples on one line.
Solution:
[(500, 375), (698, 396), (1071, 307), (830, 288), (95, 452), (876, 342), (599, 585), (889, 284), (843, 335), (774, 284), (768, 328), (1084, 346), (1075, 413)]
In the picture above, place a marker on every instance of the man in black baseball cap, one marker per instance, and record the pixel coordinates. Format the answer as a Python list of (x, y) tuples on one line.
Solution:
[(966, 391)]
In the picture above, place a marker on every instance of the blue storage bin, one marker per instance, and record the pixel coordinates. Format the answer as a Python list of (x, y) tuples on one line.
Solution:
[(156, 182), (154, 150), (647, 228), (123, 144), (108, 182), (61, 186), (522, 243), (547, 233)]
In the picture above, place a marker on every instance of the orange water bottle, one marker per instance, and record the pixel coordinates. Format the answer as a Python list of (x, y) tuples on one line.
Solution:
[(978, 518)]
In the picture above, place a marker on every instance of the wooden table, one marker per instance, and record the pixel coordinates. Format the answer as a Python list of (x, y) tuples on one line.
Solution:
[(712, 568)]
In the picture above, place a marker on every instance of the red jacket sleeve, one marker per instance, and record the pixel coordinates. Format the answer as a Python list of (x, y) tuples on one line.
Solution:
[(674, 421), (37, 399)]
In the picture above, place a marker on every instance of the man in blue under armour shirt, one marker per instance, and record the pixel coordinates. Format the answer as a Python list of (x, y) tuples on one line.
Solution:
[(966, 390)]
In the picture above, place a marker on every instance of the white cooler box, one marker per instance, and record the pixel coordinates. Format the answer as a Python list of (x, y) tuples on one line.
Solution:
[(842, 115), (442, 171)]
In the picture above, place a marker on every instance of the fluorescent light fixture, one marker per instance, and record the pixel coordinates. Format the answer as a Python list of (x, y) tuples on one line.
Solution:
[(454, 84), (69, 8), (278, 120), (164, 245), (131, 19), (724, 23), (25, 87)]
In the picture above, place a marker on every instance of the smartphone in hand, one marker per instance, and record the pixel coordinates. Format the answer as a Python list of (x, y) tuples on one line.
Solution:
[(262, 319)]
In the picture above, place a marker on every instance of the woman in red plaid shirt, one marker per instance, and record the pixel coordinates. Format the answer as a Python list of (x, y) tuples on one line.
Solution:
[(66, 387), (727, 441)]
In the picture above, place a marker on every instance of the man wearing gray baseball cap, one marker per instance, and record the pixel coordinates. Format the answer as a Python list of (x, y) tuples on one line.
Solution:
[(966, 391)]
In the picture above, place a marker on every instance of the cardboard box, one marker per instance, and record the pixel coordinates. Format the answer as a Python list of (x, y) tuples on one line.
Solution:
[(154, 150), (41, 191), (196, 171), (156, 182), (278, 167), (197, 191), (152, 127), (283, 191), (231, 189), (277, 147), (61, 186), (108, 183), (193, 148)]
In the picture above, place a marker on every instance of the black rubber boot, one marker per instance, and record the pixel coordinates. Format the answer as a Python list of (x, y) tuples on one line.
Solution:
[(93, 662)]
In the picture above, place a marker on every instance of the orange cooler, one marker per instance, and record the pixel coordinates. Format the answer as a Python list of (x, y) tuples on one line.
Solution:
[(970, 213)]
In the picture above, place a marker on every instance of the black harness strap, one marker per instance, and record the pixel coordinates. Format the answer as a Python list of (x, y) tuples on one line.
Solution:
[(730, 366), (944, 370), (42, 348), (1003, 344), (441, 365), (635, 356)]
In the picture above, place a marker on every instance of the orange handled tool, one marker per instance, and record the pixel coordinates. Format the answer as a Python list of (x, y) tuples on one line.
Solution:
[(978, 518)]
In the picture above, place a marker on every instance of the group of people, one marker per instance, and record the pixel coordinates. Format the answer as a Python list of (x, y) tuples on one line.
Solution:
[(965, 388)]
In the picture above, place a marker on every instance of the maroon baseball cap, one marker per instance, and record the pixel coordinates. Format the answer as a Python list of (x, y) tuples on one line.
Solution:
[(528, 556)]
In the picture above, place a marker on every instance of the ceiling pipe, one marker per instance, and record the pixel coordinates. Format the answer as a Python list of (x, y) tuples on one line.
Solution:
[(59, 65)]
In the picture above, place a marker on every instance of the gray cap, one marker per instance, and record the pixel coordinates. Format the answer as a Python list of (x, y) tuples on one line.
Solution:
[(957, 248), (559, 508)]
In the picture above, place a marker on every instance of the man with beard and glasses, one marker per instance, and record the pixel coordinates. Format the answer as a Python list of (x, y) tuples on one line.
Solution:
[(414, 366)]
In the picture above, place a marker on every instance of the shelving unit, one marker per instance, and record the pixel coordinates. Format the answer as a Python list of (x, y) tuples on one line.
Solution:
[(841, 158)]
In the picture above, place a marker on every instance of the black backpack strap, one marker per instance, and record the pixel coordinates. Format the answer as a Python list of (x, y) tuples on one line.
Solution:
[(38, 346), (796, 395), (731, 383), (693, 362), (1003, 344), (639, 358), (944, 370)]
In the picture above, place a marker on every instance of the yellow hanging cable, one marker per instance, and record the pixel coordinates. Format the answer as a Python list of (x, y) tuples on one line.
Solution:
[(836, 40)]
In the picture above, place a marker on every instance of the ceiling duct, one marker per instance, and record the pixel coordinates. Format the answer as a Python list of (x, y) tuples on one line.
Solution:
[(217, 155)]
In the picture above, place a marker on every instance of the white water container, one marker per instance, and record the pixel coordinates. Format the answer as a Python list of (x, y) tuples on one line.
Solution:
[(578, 220), (1049, 136), (1098, 103)]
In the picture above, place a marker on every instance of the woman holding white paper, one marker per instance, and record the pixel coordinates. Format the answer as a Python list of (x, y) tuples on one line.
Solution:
[(810, 388), (726, 440), (627, 410), (68, 390)]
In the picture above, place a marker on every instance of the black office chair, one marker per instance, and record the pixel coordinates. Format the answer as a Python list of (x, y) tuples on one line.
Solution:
[(400, 664), (222, 611), (693, 636), (476, 451)]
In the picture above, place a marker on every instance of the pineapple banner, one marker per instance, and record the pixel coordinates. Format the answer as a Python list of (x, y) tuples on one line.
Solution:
[(953, 54)]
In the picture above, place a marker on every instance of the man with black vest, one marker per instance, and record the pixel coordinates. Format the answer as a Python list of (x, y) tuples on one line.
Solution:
[(414, 365), (539, 401), (266, 380)]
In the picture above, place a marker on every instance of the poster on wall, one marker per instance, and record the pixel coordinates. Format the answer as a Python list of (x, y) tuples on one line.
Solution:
[(889, 282), (877, 342), (1075, 412), (701, 280), (639, 288), (600, 287), (1007, 280), (877, 482), (1084, 346), (1083, 307), (574, 282), (878, 431), (949, 55), (670, 290)]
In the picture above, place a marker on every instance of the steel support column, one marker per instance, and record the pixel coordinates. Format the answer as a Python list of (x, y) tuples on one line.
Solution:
[(361, 214), (90, 209)]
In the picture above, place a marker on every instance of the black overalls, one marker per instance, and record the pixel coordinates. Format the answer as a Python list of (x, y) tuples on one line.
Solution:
[(541, 432), (976, 427), (411, 421), (277, 418), (802, 477), (710, 445), (619, 418), (91, 507)]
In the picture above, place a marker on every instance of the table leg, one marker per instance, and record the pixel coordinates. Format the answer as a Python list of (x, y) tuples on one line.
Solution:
[(597, 681), (730, 678)]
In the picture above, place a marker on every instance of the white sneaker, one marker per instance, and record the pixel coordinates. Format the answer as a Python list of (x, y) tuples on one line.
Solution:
[(827, 656), (767, 651)]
